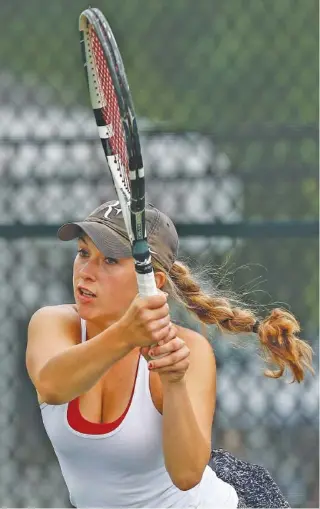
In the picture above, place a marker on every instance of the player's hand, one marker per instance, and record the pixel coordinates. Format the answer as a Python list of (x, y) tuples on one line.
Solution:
[(174, 364), (147, 321), (150, 351)]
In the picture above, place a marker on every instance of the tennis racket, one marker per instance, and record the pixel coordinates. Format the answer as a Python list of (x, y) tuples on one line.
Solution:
[(117, 125)]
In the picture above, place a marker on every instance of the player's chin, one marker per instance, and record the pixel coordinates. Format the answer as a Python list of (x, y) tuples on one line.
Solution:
[(89, 313)]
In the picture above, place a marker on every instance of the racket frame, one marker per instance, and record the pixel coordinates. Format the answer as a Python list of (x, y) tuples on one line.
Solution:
[(132, 204)]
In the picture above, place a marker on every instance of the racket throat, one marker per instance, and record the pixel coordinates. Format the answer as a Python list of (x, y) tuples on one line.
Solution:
[(144, 270), (142, 257)]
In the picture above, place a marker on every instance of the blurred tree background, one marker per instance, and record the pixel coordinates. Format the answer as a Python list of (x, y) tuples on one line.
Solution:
[(244, 71), (198, 65)]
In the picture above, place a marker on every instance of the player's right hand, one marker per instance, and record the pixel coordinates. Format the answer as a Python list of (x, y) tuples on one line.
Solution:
[(147, 321)]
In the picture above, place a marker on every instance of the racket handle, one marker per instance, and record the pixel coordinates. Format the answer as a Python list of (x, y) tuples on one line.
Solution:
[(147, 287), (147, 284)]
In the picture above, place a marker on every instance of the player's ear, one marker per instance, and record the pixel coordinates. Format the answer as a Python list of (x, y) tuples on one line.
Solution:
[(161, 278)]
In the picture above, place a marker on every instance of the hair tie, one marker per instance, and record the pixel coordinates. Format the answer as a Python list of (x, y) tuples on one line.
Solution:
[(255, 326)]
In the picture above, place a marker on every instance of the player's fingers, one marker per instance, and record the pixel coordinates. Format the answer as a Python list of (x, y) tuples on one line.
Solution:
[(181, 366), (159, 324), (167, 334), (170, 345), (151, 315), (170, 359), (172, 333), (161, 334), (155, 301)]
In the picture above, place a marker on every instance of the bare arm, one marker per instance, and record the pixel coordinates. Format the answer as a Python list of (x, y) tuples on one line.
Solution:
[(188, 410), (61, 369)]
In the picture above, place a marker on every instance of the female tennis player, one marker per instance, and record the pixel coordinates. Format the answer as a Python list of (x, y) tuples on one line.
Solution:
[(127, 397)]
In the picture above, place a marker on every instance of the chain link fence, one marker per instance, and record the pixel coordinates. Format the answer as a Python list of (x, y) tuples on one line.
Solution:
[(226, 93)]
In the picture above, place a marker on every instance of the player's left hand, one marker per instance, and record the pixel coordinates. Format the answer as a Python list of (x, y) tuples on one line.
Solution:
[(173, 366)]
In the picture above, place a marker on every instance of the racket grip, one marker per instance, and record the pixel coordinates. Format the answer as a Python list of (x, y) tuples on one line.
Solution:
[(147, 284), (147, 287)]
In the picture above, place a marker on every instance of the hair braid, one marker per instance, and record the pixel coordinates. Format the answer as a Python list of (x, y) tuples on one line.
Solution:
[(277, 332)]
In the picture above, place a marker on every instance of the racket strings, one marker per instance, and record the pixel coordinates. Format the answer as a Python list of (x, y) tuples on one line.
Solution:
[(110, 108)]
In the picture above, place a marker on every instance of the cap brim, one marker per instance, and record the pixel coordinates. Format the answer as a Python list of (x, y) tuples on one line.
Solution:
[(105, 239)]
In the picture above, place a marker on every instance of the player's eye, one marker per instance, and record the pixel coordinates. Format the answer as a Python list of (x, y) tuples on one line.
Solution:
[(110, 261), (82, 252)]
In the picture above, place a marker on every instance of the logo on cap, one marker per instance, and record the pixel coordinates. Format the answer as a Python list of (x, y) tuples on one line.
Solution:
[(112, 208)]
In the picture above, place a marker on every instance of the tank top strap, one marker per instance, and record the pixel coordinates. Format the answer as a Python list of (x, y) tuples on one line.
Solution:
[(83, 330)]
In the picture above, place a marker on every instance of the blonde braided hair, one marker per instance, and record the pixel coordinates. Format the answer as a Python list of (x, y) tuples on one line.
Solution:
[(277, 332)]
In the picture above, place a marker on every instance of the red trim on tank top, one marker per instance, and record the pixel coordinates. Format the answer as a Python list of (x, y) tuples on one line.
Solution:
[(79, 423)]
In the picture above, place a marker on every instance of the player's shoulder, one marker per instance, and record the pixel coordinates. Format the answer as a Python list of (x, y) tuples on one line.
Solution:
[(202, 359), (63, 313), (195, 341)]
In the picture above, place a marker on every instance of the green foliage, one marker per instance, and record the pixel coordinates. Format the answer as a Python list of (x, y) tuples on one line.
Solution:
[(196, 64), (216, 66)]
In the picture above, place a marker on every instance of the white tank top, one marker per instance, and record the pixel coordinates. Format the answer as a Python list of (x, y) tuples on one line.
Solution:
[(124, 467)]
